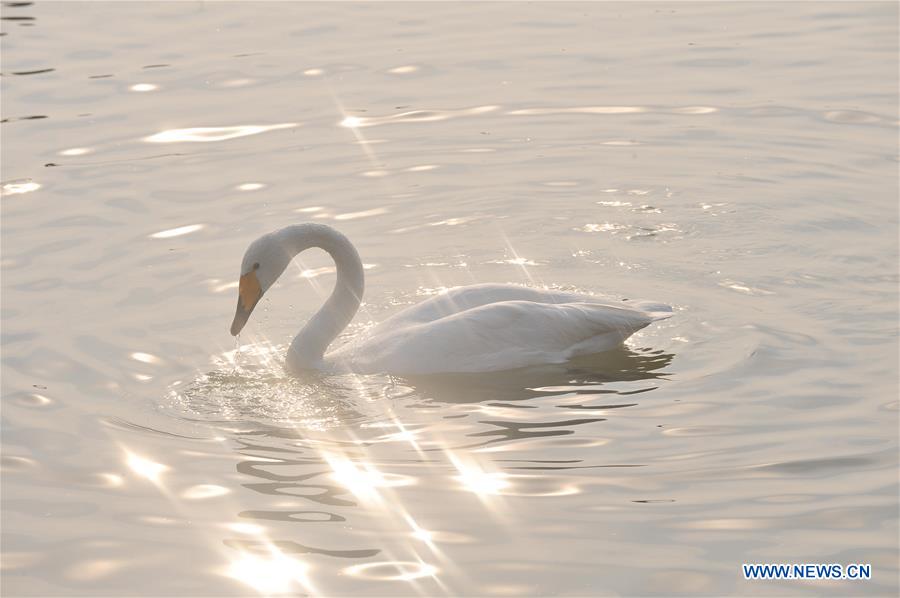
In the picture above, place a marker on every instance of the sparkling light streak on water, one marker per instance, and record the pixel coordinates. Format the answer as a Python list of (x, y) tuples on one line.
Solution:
[(274, 573), (146, 468), (177, 232), (211, 134), (16, 188)]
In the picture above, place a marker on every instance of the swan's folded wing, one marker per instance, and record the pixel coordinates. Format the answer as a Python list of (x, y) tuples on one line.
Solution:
[(504, 335), (460, 299)]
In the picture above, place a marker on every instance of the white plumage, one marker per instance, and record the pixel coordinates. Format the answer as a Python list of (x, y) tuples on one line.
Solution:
[(478, 328)]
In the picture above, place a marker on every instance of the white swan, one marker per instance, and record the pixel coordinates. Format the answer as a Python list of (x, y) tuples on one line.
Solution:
[(478, 328)]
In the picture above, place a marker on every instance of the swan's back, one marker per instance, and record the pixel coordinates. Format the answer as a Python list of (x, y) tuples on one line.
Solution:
[(459, 299), (496, 327)]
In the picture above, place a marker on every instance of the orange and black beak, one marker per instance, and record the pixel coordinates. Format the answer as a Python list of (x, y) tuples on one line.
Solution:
[(249, 294)]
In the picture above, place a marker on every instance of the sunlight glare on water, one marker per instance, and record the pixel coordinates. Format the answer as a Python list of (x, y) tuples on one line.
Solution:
[(738, 167), (274, 573)]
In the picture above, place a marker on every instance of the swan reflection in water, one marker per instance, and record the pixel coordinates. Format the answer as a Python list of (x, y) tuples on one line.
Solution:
[(263, 393), (586, 374), (323, 452)]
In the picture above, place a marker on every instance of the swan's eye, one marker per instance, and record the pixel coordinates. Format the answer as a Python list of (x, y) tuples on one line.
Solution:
[(256, 266)]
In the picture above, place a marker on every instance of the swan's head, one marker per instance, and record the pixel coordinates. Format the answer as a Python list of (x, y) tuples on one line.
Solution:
[(263, 263)]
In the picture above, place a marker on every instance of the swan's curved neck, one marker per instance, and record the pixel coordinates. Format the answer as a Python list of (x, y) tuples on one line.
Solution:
[(308, 347)]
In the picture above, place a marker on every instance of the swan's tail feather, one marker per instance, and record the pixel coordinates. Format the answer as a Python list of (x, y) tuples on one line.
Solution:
[(657, 311)]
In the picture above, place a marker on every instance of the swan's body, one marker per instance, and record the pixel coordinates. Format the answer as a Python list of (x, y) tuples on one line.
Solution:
[(478, 328)]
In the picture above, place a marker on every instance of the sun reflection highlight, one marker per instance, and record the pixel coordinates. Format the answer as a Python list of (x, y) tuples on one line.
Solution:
[(145, 468), (144, 357), (354, 123), (481, 482), (392, 570), (17, 187), (144, 87), (518, 260), (201, 491), (579, 110), (177, 232), (403, 435), (362, 479), (75, 151), (362, 214), (214, 133), (404, 70), (415, 116), (420, 533), (478, 481), (351, 122), (274, 573)]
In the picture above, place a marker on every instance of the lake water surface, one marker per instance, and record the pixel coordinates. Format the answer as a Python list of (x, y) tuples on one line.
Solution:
[(736, 160)]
